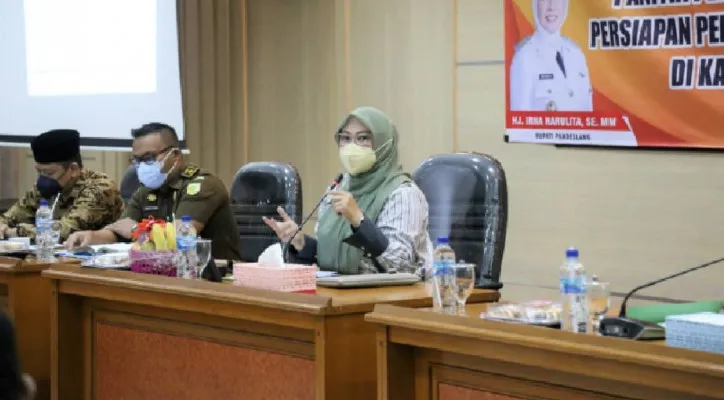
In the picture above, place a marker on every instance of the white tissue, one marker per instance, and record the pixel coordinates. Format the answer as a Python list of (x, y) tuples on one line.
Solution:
[(272, 257)]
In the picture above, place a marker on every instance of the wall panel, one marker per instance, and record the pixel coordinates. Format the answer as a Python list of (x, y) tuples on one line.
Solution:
[(9, 172), (311, 61), (296, 87), (401, 62), (635, 215)]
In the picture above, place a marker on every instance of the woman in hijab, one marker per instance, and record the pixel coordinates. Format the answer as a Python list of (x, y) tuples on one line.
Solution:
[(548, 71), (376, 220)]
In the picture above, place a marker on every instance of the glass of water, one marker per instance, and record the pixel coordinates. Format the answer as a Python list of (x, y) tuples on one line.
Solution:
[(599, 301), (203, 255), (463, 283)]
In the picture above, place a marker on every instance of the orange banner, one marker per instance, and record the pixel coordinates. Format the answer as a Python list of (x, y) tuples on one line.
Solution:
[(646, 73)]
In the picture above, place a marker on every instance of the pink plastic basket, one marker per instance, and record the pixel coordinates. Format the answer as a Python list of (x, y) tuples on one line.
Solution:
[(153, 262), (290, 278)]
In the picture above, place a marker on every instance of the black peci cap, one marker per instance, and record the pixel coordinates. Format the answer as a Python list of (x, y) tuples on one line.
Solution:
[(58, 145)]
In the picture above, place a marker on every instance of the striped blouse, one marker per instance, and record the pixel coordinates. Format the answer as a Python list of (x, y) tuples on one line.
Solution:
[(403, 220)]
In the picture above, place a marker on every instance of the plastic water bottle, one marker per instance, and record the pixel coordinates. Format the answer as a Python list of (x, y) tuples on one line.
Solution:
[(574, 316), (44, 246), (442, 261), (186, 245)]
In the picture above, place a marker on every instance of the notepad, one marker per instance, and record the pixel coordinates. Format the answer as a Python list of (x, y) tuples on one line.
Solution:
[(702, 331)]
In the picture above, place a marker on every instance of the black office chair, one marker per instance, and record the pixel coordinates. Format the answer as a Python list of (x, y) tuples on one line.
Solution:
[(129, 184), (468, 200), (258, 189)]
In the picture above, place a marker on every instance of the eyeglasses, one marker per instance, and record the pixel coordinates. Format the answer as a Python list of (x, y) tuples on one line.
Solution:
[(148, 158), (361, 139)]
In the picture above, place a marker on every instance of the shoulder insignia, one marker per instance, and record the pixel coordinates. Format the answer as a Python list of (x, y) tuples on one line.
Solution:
[(193, 188), (189, 172), (523, 42)]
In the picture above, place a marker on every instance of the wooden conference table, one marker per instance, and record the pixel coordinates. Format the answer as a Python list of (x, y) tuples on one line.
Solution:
[(425, 355), (121, 335)]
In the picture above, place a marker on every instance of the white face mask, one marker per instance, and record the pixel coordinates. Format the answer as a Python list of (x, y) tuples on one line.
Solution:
[(357, 159)]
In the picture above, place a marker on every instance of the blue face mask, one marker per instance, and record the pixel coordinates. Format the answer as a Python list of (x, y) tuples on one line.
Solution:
[(150, 175), (47, 186)]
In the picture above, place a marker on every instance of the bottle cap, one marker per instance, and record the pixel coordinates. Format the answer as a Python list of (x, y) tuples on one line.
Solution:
[(43, 202), (572, 252), (186, 218), (443, 240)]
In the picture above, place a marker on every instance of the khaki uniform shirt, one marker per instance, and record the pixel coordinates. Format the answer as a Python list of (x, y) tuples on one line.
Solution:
[(200, 195), (91, 202)]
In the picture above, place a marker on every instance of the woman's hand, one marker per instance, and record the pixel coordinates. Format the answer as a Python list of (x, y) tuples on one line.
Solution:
[(345, 205), (285, 229)]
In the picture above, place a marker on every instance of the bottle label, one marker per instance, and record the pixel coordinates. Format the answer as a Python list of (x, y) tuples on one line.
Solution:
[(186, 243), (573, 285), (443, 267), (42, 224)]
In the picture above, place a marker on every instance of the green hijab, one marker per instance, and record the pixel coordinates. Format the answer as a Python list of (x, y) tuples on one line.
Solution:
[(370, 190)]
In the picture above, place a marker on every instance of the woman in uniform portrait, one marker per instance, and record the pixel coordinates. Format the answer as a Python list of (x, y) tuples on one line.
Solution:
[(548, 71)]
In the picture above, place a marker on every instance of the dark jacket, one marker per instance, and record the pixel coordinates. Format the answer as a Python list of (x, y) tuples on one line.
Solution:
[(12, 386)]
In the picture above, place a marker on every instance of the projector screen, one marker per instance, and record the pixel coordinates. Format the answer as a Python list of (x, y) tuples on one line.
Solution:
[(102, 67)]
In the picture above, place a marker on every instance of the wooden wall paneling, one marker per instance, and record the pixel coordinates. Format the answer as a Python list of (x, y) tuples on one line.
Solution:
[(9, 171), (635, 215), (296, 93), (113, 163), (27, 174), (401, 63), (480, 30)]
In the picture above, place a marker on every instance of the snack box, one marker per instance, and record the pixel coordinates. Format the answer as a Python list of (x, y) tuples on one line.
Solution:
[(546, 313)]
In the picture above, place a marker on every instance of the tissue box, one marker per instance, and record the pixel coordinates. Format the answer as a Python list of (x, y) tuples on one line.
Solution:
[(702, 331), (290, 278)]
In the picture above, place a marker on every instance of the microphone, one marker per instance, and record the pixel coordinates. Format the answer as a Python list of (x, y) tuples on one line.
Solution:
[(335, 183), (628, 328)]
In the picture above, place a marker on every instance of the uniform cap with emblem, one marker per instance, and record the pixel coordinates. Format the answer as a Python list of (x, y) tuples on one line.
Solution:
[(58, 145)]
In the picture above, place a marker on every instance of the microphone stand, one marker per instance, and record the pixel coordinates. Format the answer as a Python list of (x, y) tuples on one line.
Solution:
[(622, 311), (629, 328), (285, 249)]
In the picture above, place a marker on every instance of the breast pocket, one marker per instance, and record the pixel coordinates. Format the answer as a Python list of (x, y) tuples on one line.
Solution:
[(545, 89), (546, 93), (152, 210)]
